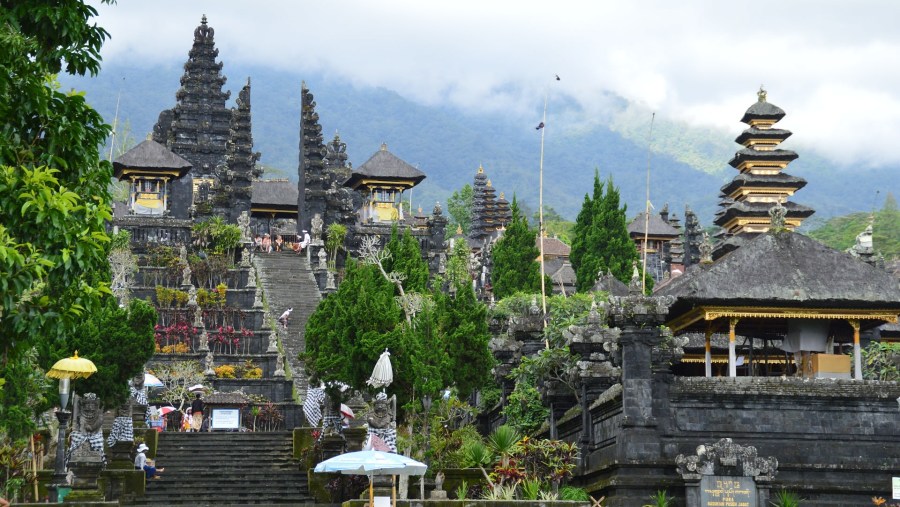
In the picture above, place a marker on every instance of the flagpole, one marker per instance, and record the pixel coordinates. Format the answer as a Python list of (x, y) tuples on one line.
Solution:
[(541, 221), (647, 212), (112, 141)]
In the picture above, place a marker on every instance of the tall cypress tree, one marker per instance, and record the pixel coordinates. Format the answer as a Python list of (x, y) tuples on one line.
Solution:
[(601, 237), (514, 258)]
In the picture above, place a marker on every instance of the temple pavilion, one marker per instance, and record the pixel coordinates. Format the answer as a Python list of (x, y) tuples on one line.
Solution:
[(382, 180), (156, 180), (788, 290), (761, 180)]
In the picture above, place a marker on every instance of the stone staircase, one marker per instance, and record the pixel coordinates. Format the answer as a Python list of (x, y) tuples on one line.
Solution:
[(226, 469), (288, 282)]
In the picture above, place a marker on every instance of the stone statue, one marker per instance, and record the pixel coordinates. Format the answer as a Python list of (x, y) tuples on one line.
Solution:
[(192, 296), (204, 341), (777, 213), (273, 342), (245, 257), (317, 224), (243, 221), (208, 362), (323, 259), (251, 278), (257, 299), (329, 280), (186, 275), (279, 366), (88, 426), (182, 254), (198, 317), (381, 420)]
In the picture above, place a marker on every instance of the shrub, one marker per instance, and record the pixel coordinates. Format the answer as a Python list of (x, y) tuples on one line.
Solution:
[(225, 371)]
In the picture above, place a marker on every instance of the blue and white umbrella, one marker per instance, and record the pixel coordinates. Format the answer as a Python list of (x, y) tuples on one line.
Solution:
[(372, 463), (151, 380)]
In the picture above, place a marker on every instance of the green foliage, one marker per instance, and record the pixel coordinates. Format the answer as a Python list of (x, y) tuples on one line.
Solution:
[(24, 396), (531, 489), (217, 236), (54, 201), (555, 225), (573, 494), (881, 361), (334, 241), (840, 232), (119, 341), (462, 490), (462, 330), (524, 409), (786, 498), (503, 442), (352, 327), (406, 258), (514, 258), (177, 378), (601, 240), (458, 264), (476, 454), (660, 499), (545, 459), (459, 205)]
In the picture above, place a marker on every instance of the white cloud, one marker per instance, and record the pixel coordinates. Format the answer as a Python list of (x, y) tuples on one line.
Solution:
[(833, 66)]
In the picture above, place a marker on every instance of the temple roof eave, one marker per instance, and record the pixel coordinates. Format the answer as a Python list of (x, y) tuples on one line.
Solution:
[(746, 154)]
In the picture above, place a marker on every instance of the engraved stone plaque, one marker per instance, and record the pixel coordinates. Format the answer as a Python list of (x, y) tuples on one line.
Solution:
[(725, 491)]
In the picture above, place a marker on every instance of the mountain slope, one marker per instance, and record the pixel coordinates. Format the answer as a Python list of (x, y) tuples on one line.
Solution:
[(449, 145)]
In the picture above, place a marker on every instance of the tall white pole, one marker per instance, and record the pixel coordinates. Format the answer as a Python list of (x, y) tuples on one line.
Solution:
[(112, 142), (647, 212), (541, 222)]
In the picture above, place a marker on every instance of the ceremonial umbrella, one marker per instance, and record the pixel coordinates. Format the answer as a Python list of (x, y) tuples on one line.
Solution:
[(72, 367), (372, 463), (383, 374)]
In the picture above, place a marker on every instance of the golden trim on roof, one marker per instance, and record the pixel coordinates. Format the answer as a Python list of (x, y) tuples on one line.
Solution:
[(709, 313)]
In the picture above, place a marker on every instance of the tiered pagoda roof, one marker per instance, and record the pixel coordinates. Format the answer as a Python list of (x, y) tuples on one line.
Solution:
[(198, 127), (489, 212), (745, 201)]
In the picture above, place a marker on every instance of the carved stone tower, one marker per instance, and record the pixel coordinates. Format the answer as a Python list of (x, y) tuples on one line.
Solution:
[(312, 183), (240, 161), (198, 127)]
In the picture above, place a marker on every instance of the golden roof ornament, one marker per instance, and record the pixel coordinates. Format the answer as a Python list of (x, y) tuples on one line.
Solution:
[(458, 230), (383, 146), (480, 169), (761, 94)]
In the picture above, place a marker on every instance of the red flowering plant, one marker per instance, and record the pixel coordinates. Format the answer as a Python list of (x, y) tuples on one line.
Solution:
[(177, 338), (227, 339)]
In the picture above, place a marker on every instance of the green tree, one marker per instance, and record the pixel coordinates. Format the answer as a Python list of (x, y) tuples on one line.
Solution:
[(119, 341), (514, 256), (601, 239), (463, 328), (459, 205), (406, 259), (54, 198)]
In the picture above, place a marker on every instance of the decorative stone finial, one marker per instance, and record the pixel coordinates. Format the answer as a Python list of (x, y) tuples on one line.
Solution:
[(761, 94), (489, 183), (458, 230), (705, 248), (383, 146), (777, 213), (437, 209)]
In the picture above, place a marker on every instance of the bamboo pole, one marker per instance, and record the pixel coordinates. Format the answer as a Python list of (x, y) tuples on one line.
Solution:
[(541, 222)]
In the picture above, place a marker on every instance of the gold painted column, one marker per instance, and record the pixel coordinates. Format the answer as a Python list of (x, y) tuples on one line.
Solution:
[(857, 356), (732, 356), (709, 349)]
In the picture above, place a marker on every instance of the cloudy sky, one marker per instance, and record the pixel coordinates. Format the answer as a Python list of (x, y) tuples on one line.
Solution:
[(834, 66)]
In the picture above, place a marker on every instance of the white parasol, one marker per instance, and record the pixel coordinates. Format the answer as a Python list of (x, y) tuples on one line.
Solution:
[(383, 374)]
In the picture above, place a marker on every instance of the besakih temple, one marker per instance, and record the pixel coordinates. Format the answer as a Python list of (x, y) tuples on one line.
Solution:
[(761, 180), (490, 213), (381, 181)]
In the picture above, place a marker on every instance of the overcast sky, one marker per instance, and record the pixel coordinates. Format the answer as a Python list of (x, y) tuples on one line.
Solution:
[(833, 66)]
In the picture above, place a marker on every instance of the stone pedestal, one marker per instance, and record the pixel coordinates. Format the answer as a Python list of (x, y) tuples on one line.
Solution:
[(332, 445), (120, 455)]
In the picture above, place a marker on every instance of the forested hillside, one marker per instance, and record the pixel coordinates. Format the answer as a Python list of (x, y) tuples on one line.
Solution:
[(840, 232), (449, 144)]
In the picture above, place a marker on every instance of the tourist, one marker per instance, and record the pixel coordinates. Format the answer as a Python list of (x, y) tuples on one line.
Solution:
[(197, 413), (3, 502), (267, 243), (283, 319), (147, 465), (278, 242), (295, 247), (305, 242), (258, 243)]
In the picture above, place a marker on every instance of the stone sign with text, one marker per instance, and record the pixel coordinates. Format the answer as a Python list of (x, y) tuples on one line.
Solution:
[(726, 491)]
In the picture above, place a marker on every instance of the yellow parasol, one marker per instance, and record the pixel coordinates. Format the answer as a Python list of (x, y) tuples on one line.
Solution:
[(72, 367)]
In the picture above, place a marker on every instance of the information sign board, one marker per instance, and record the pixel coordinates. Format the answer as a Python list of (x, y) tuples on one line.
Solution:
[(226, 419), (724, 491)]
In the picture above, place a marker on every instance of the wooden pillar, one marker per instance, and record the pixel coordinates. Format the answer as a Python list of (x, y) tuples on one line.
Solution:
[(857, 356), (708, 361), (732, 357)]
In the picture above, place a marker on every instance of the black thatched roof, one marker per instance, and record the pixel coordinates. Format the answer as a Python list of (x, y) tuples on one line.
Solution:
[(608, 283), (760, 210), (384, 165), (657, 226), (761, 155), (274, 193), (150, 155), (780, 180), (762, 110), (232, 398), (785, 269), (755, 133)]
